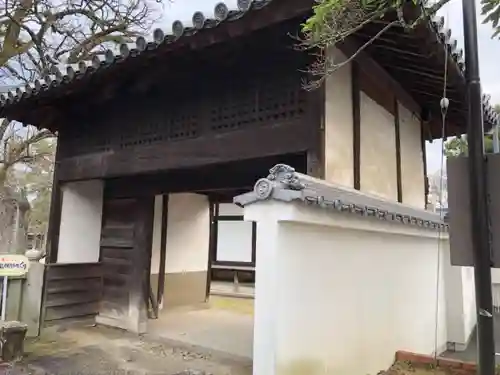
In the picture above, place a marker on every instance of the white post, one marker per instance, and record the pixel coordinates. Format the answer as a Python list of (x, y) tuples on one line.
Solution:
[(265, 304), (4, 297)]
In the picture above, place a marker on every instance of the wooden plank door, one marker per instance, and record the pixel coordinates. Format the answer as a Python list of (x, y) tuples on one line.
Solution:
[(125, 255)]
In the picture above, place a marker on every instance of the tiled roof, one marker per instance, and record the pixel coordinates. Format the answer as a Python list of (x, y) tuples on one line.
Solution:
[(63, 75), (444, 35), (7, 88), (285, 185)]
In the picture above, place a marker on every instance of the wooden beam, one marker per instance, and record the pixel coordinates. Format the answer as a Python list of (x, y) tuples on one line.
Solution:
[(371, 67), (356, 124), (246, 144), (434, 76), (391, 62), (196, 182), (381, 45), (212, 241), (138, 283), (437, 98), (163, 249), (211, 179), (254, 243), (316, 113), (391, 58), (429, 86), (386, 41), (52, 243), (427, 39), (399, 177), (424, 160)]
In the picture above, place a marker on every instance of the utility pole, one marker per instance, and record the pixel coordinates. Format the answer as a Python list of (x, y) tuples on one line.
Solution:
[(478, 195)]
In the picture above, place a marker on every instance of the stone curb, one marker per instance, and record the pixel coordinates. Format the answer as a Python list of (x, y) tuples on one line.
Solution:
[(444, 363)]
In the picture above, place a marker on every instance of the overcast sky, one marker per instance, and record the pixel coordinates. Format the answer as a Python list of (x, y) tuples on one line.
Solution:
[(489, 49)]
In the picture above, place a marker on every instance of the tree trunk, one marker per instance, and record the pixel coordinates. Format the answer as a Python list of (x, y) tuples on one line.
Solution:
[(7, 220), (3, 176), (13, 228)]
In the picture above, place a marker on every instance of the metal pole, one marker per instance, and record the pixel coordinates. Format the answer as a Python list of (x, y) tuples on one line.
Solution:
[(478, 196)]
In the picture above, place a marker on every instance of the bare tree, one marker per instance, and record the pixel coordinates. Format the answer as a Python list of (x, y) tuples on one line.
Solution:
[(36, 35)]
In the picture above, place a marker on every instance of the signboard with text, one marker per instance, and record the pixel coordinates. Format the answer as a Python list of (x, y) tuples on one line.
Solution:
[(13, 265)]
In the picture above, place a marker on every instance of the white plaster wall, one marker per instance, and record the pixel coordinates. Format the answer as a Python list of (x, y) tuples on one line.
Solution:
[(460, 303), (81, 219), (188, 233), (339, 161), (469, 300), (378, 150), (495, 275), (378, 142), (495, 278), (412, 159), (454, 306), (234, 241), (230, 209), (234, 238), (339, 294), (496, 297)]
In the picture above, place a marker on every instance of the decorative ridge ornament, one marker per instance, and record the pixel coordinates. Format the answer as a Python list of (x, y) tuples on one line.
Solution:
[(263, 189), (286, 176), (284, 184)]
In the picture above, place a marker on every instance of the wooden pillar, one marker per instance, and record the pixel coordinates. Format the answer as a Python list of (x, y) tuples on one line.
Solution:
[(356, 124), (163, 250), (52, 243), (316, 117), (139, 278), (424, 160), (212, 241), (399, 172)]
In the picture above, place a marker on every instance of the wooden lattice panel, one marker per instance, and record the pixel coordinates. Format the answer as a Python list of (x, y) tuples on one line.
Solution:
[(272, 100), (142, 123), (213, 99)]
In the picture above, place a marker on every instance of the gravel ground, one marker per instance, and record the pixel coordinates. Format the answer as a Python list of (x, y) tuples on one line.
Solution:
[(94, 350)]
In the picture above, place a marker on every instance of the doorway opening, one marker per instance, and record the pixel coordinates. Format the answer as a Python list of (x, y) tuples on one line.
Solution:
[(203, 259)]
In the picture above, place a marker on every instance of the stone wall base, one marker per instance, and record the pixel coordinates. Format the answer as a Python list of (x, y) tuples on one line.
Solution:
[(12, 336), (466, 368)]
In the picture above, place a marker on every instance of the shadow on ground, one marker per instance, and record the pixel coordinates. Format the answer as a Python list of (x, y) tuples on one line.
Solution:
[(100, 350), (470, 353)]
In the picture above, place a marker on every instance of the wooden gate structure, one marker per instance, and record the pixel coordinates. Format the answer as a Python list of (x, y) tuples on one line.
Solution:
[(207, 109)]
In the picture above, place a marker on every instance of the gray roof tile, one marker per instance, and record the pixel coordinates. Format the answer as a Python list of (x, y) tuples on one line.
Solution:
[(62, 75)]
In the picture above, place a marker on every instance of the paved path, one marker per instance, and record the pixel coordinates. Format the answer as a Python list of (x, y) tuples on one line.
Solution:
[(470, 354), (98, 350), (226, 327)]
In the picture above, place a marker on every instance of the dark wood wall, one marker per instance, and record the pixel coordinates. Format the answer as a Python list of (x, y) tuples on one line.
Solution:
[(71, 292), (237, 100)]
